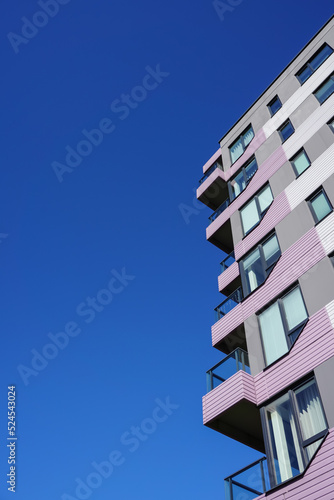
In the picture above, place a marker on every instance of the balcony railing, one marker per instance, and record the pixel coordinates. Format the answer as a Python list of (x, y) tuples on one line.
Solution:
[(209, 172), (219, 210), (229, 303), (249, 482), (227, 262), (237, 360)]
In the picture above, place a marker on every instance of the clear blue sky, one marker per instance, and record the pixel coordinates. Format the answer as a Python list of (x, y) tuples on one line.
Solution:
[(61, 243)]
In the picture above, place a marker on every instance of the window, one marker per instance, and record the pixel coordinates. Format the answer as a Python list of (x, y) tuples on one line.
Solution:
[(281, 323), (241, 180), (294, 426), (300, 162), (286, 130), (313, 64), (252, 213), (325, 90), (331, 124), (274, 105), (239, 146), (320, 205), (255, 268)]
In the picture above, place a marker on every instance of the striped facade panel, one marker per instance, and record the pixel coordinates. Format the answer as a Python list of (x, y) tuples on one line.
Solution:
[(257, 141), (318, 481), (277, 211), (303, 133), (320, 170), (208, 182), (211, 161), (314, 346), (265, 171), (309, 127), (330, 312), (299, 97), (238, 387), (325, 232), (228, 276), (295, 262)]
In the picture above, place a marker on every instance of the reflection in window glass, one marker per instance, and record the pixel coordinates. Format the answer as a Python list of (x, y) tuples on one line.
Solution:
[(286, 130), (321, 206), (314, 63), (274, 105), (273, 334), (325, 90), (241, 180), (300, 162), (281, 324), (253, 212), (239, 146)]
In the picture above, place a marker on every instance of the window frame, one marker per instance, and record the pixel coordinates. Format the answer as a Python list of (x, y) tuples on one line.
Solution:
[(303, 443), (292, 159), (288, 334), (309, 65), (264, 264), (330, 123), (279, 130), (330, 77), (312, 197), (243, 170), (241, 136), (276, 98), (257, 203)]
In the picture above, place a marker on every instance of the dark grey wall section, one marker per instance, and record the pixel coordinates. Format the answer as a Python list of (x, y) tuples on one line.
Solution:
[(303, 111), (294, 226), (236, 225), (328, 186), (317, 285), (282, 178), (254, 345), (319, 142), (268, 148), (324, 378)]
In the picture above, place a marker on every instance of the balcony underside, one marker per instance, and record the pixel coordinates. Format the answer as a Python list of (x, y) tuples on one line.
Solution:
[(241, 422), (222, 237), (214, 191)]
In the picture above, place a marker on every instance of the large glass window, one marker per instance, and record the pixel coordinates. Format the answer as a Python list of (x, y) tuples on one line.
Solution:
[(286, 130), (320, 205), (258, 264), (281, 323), (325, 90), (252, 213), (300, 162), (239, 146), (313, 64), (274, 105), (241, 180), (294, 427)]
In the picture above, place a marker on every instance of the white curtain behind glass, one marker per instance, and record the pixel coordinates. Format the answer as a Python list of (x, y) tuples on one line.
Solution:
[(248, 136), (294, 308), (273, 336), (236, 151), (249, 216)]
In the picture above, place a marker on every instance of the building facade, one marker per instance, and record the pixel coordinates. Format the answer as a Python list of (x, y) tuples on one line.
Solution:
[(271, 187)]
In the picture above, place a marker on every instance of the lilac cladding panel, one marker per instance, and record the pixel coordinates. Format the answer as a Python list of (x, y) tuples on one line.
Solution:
[(265, 171), (279, 209), (295, 261)]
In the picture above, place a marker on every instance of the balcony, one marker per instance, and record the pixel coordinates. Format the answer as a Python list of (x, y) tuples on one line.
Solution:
[(231, 407), (212, 189), (219, 210), (249, 482), (227, 262), (237, 360), (209, 172), (231, 364), (228, 304)]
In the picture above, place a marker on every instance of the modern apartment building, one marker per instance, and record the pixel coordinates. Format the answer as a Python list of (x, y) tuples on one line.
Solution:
[(271, 188)]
